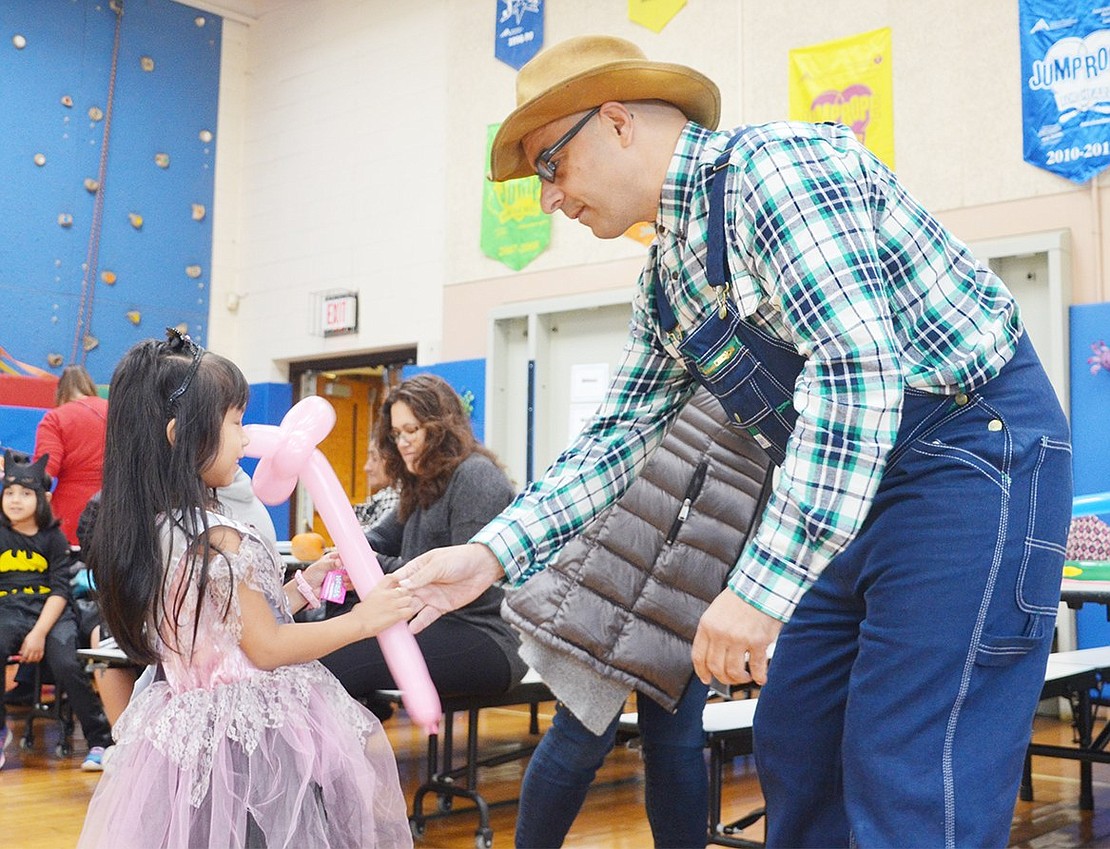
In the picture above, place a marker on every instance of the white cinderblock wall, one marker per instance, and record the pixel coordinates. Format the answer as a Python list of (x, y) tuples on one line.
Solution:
[(333, 172)]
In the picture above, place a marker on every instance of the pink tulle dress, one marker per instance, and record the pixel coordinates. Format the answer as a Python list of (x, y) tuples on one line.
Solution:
[(218, 753)]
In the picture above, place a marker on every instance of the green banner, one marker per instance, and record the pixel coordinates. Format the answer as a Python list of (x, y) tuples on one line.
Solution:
[(515, 229)]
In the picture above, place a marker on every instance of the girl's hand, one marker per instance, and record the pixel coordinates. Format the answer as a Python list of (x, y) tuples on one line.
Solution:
[(33, 648), (315, 573), (385, 605)]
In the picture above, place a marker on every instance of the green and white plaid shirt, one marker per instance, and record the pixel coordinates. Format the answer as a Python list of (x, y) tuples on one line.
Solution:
[(828, 251)]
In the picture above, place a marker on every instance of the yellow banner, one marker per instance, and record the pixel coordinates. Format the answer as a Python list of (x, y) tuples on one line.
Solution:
[(515, 229), (653, 14), (850, 82)]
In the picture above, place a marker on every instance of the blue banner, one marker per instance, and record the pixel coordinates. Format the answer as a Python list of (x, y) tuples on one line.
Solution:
[(518, 31), (1065, 65)]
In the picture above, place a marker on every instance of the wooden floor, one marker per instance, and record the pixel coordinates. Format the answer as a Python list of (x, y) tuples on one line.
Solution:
[(43, 797)]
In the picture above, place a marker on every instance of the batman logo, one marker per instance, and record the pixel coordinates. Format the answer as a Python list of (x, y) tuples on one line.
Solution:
[(22, 561)]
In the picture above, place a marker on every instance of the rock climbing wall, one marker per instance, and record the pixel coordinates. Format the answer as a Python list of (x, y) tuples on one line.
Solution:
[(107, 151)]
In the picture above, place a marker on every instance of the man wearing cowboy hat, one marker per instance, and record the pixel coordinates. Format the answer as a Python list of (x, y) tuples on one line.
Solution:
[(913, 542)]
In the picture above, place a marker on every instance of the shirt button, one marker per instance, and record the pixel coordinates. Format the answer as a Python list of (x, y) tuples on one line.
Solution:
[(961, 398), (994, 425), (521, 560)]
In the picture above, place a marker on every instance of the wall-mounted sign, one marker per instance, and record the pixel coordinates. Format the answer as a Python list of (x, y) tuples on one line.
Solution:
[(340, 314)]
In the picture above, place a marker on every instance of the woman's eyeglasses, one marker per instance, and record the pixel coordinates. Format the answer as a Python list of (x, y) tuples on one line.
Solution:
[(406, 433)]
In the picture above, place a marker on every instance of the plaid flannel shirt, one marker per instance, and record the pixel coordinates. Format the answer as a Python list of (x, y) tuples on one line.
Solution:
[(828, 251)]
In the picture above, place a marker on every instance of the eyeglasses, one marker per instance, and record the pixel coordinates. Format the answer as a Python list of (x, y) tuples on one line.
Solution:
[(181, 343), (545, 168), (407, 433)]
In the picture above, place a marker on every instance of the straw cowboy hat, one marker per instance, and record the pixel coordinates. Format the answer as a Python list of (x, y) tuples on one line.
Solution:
[(584, 72)]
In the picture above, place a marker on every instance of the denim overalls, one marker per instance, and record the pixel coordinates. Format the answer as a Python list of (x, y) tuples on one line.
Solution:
[(902, 691)]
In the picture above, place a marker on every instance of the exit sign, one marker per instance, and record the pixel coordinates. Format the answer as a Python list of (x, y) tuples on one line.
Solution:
[(340, 314)]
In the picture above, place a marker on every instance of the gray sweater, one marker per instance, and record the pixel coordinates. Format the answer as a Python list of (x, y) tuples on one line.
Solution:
[(477, 492)]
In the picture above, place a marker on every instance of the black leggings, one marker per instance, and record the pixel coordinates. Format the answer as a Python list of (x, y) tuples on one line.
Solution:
[(462, 659)]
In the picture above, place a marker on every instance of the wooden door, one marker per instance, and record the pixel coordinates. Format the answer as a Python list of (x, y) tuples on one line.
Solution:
[(357, 400)]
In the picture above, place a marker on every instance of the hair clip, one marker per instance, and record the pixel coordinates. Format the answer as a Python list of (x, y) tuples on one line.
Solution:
[(182, 343)]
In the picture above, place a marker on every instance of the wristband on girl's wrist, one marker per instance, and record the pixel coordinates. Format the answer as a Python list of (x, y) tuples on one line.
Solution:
[(306, 591)]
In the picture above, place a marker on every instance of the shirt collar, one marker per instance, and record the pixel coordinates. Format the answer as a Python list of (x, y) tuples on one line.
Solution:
[(693, 146)]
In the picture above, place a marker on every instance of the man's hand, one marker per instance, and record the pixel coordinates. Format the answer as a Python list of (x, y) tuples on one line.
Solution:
[(731, 633), (444, 579)]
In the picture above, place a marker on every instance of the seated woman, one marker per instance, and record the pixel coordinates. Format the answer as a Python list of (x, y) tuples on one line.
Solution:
[(384, 496), (451, 486)]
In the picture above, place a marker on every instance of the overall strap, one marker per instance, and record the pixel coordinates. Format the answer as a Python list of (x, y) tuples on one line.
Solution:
[(716, 266), (668, 321)]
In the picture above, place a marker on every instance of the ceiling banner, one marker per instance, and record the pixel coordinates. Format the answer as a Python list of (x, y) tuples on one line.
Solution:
[(653, 14), (515, 229), (518, 31), (1065, 90), (848, 82)]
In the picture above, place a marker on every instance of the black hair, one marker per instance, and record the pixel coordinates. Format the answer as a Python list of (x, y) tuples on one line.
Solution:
[(20, 471), (148, 481), (86, 522)]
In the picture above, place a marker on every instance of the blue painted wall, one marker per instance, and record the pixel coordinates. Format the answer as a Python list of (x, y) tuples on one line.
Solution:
[(1090, 433), (68, 53), (269, 402), (18, 426)]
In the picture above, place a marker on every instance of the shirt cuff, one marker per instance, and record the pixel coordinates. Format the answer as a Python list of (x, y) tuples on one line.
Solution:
[(767, 584), (510, 547)]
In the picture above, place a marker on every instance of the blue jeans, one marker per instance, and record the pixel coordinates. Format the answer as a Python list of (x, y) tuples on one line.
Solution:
[(568, 757), (901, 695)]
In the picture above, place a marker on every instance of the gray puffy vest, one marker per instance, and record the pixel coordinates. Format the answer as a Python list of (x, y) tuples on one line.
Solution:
[(625, 596)]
